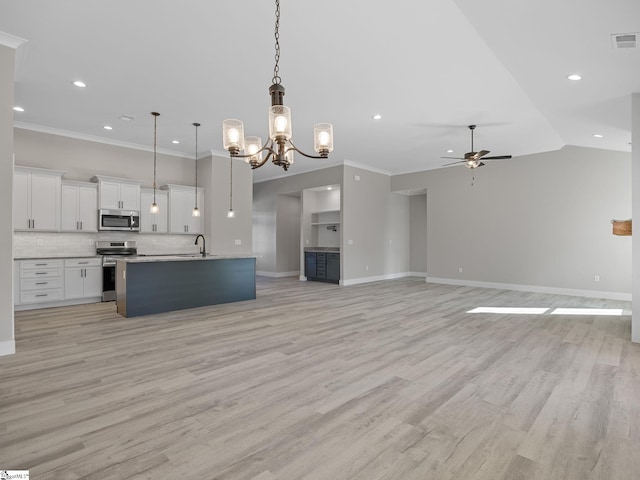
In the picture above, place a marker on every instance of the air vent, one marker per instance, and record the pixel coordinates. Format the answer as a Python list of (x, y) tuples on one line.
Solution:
[(624, 40), (126, 118)]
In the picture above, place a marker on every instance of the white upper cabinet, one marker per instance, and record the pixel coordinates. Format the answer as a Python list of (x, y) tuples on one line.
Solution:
[(154, 222), (182, 199), (36, 199), (79, 206), (118, 193)]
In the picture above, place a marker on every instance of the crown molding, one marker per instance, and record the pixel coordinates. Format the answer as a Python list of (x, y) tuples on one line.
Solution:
[(96, 139), (11, 41), (369, 168)]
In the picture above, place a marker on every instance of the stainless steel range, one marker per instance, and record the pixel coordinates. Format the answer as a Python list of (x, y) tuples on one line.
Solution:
[(111, 251)]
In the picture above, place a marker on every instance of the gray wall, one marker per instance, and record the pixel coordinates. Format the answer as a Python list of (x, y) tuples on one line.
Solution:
[(375, 227), (418, 234), (82, 159), (540, 220), (7, 71), (223, 232), (635, 155), (265, 207), (288, 211)]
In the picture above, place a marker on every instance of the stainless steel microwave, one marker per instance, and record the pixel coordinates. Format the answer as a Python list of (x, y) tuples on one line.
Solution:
[(120, 220)]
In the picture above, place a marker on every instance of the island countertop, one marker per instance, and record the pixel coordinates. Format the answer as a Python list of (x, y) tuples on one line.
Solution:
[(180, 258)]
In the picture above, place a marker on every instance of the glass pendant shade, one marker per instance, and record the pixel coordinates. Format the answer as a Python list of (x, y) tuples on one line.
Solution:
[(289, 157), (154, 208), (233, 135), (231, 213), (323, 138), (279, 122), (195, 212), (252, 147)]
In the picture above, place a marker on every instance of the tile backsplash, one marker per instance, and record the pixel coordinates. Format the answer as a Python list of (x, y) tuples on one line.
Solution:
[(52, 244)]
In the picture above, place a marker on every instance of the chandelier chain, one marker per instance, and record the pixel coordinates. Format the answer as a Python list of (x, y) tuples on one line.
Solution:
[(276, 80)]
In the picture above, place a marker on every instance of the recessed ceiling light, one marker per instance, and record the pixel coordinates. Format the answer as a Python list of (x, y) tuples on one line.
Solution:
[(175, 142), (449, 151), (377, 116), (108, 127), (329, 188), (18, 109), (575, 77), (597, 135), (79, 83)]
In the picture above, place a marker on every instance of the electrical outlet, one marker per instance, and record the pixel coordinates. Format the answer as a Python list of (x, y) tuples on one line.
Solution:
[(460, 270), (366, 267), (596, 278), (306, 242), (349, 242)]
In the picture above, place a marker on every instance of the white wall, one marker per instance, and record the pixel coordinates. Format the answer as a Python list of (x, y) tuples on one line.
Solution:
[(536, 221), (7, 72)]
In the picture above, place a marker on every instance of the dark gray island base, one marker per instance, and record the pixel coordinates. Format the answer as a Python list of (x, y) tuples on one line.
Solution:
[(147, 285)]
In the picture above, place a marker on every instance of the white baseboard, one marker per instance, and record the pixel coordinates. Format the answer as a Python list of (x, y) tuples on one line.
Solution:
[(278, 274), (533, 288), (8, 347), (377, 278), (417, 274)]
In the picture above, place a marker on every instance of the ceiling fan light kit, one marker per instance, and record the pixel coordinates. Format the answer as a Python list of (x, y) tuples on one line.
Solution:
[(474, 159)]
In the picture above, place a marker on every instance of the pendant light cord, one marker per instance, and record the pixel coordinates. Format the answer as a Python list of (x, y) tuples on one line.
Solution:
[(230, 183), (276, 80), (196, 187), (155, 131)]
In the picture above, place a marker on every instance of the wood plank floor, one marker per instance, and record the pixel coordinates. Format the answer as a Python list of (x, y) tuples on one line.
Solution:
[(389, 380)]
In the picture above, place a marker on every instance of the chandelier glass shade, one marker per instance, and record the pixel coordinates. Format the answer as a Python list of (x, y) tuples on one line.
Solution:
[(279, 147)]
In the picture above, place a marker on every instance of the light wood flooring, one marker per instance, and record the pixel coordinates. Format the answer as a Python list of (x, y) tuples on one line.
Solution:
[(389, 380)]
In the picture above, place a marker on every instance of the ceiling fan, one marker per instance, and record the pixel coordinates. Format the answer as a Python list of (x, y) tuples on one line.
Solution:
[(474, 159)]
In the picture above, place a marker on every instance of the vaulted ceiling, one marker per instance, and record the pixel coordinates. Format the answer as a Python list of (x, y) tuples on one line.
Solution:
[(429, 68)]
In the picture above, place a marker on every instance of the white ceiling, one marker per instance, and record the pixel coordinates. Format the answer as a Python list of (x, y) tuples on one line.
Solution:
[(429, 67)]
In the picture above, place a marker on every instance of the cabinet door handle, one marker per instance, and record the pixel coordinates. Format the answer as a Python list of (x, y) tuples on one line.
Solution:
[(41, 264), (83, 263), (80, 224), (42, 283), (42, 295), (41, 273)]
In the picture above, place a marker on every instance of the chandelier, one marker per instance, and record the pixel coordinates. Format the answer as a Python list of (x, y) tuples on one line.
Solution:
[(279, 147)]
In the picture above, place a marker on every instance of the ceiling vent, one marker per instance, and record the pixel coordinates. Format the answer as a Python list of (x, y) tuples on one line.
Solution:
[(126, 118), (624, 40)]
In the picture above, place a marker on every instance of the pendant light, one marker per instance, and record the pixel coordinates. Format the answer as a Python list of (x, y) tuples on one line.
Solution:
[(154, 206), (279, 146), (231, 213), (196, 212)]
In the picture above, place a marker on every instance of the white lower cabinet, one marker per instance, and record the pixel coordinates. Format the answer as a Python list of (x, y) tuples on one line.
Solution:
[(41, 281), (82, 278), (56, 281)]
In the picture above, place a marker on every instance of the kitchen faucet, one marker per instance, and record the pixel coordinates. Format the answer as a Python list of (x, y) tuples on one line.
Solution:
[(203, 251)]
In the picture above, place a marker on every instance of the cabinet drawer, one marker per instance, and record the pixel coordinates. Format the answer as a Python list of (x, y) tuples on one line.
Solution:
[(40, 283), (38, 296), (41, 273), (83, 262), (40, 264)]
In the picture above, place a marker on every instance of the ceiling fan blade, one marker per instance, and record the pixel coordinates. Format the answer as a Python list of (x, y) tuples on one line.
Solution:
[(480, 164), (454, 158), (469, 155), (499, 157), (454, 163), (482, 153)]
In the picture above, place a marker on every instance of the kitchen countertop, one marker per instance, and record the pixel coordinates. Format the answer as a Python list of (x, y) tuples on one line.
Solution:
[(54, 257), (322, 249)]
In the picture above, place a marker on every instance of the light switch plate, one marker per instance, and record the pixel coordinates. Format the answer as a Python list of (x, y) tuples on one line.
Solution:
[(238, 242)]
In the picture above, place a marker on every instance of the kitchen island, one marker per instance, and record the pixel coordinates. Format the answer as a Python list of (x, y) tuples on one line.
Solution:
[(156, 284)]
